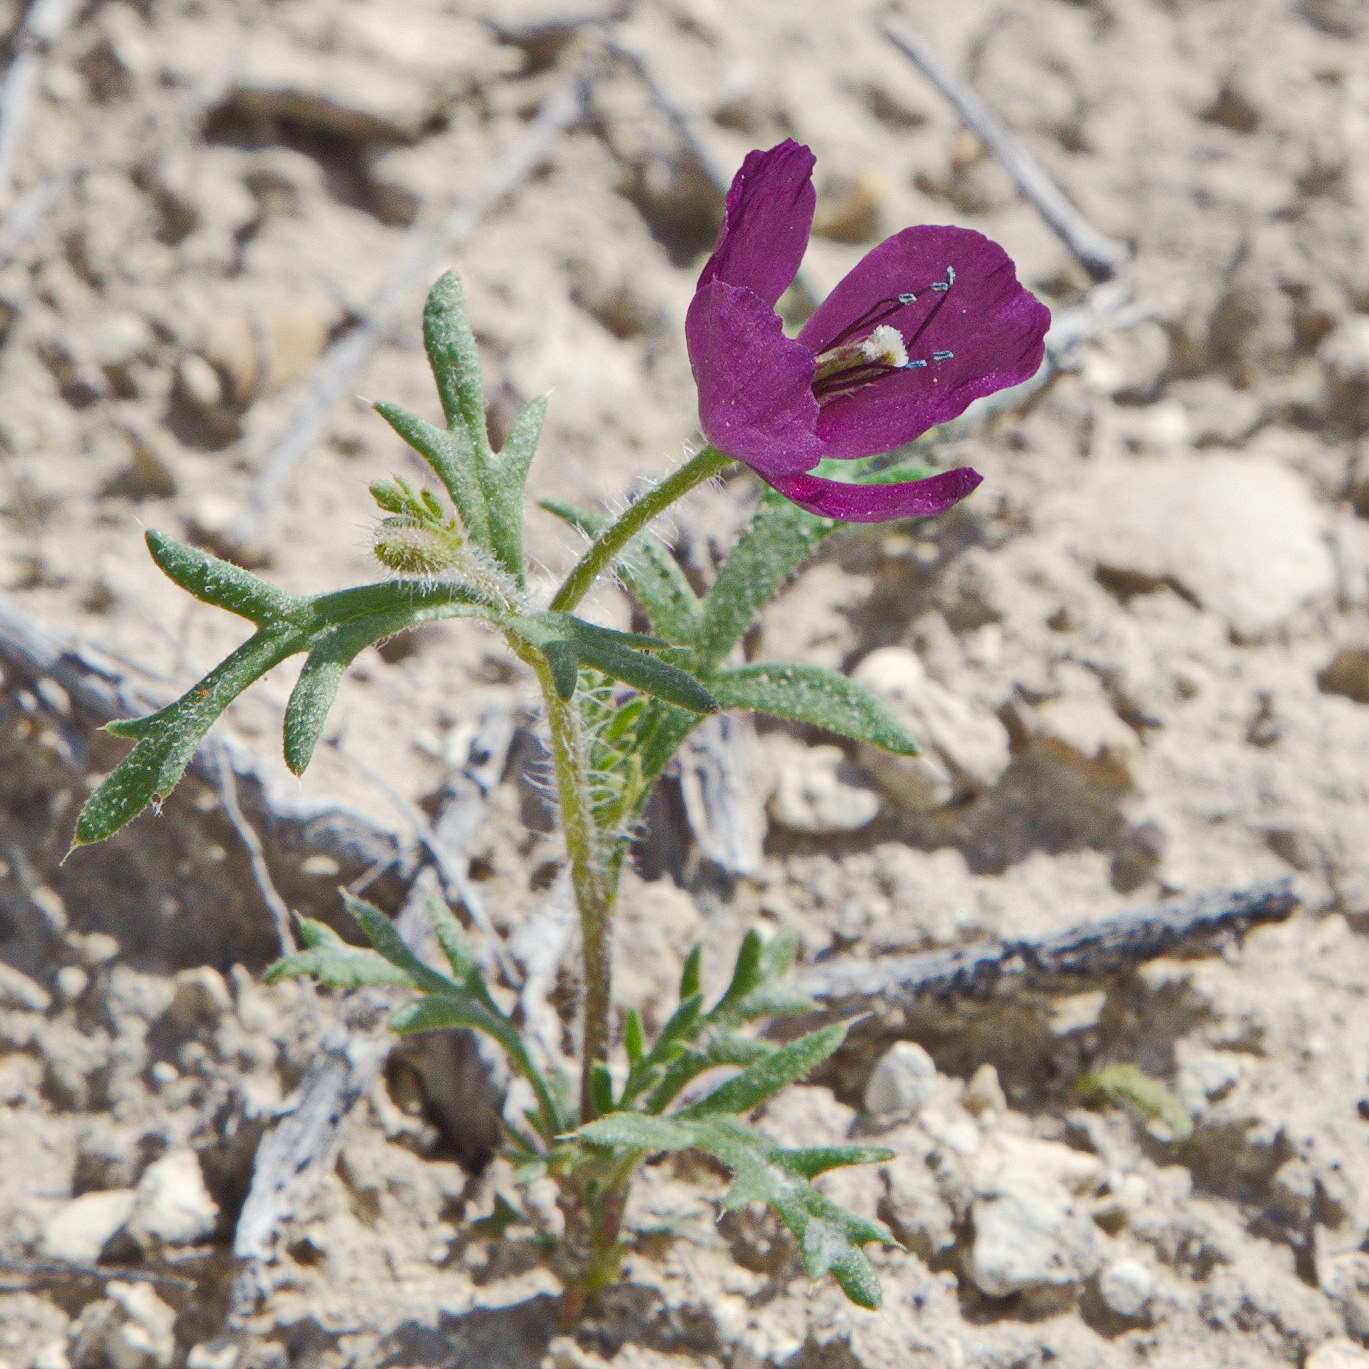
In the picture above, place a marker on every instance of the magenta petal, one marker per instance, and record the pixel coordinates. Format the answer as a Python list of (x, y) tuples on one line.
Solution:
[(878, 503), (993, 326), (755, 385), (766, 225)]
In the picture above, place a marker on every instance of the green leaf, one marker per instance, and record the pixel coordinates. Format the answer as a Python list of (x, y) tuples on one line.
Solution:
[(218, 582), (768, 1076), (780, 538), (634, 1039), (812, 1161), (382, 934), (810, 694), (601, 1089), (452, 459), (564, 662), (451, 936), (166, 740), (317, 686), (338, 966), (829, 1237), (504, 487), (651, 573), (455, 362), (691, 977)]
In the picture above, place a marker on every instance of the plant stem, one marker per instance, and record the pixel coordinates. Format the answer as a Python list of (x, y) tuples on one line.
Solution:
[(619, 533)]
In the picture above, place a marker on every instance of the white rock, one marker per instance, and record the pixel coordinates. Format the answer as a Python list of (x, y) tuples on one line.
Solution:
[(1338, 1353), (79, 1230), (1127, 1287), (902, 1081), (818, 791), (1088, 736), (144, 1337), (1241, 535), (965, 750), (17, 990), (1028, 1230), (173, 1205)]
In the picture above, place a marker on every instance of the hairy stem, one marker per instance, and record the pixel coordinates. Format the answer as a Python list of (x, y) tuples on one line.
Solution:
[(708, 463)]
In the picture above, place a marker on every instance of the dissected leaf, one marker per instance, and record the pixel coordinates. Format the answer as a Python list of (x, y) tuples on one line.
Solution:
[(221, 583), (767, 1076), (821, 698), (452, 458)]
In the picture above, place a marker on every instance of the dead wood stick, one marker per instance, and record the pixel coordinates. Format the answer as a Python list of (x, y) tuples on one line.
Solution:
[(427, 245), (43, 24), (296, 1153), (1100, 255), (894, 991)]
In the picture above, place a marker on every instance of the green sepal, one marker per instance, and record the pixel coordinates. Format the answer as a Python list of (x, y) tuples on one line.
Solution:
[(811, 694), (215, 581), (652, 575)]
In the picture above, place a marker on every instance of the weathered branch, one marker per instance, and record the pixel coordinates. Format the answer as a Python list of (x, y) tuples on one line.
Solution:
[(895, 991)]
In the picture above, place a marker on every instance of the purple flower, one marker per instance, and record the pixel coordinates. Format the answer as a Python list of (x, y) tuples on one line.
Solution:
[(930, 320)]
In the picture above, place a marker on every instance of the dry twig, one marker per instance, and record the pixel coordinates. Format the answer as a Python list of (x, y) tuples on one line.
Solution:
[(43, 24), (894, 991), (1100, 255)]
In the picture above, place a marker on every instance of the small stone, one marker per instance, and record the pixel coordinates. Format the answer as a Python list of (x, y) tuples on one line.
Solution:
[(78, 1231), (201, 996), (17, 990), (72, 981), (1028, 1231), (1339, 1352), (1345, 1280), (966, 750), (213, 1355), (144, 1338), (1348, 673), (819, 792), (984, 1094), (120, 341), (1240, 535), (1127, 1287), (199, 382), (1344, 355), (902, 1081), (173, 1205), (1085, 734)]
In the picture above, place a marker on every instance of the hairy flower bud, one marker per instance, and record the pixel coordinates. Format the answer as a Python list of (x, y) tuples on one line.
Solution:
[(411, 548)]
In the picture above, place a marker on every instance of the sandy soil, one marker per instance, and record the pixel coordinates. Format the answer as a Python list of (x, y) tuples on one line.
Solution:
[(1143, 647)]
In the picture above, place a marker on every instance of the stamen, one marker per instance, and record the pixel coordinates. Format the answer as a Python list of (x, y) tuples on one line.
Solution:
[(948, 282), (942, 356)]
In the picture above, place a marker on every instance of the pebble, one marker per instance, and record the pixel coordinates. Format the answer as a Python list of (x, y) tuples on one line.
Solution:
[(17, 990), (1241, 535), (1028, 1231), (143, 1337), (817, 791), (1348, 672), (79, 1230), (173, 1205), (1127, 1287), (984, 1094), (902, 1081), (1344, 355), (1338, 1353), (966, 750), (201, 997), (1088, 736)]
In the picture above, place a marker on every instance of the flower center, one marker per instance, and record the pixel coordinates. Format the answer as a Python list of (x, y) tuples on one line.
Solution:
[(869, 349)]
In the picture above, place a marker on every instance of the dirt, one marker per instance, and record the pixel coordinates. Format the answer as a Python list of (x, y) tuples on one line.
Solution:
[(1140, 656)]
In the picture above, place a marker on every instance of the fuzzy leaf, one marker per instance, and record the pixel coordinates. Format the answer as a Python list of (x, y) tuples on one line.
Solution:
[(651, 574), (317, 686), (829, 1237), (506, 476), (221, 583), (780, 538), (382, 934), (455, 362), (451, 936), (452, 459), (338, 967), (768, 1076), (821, 698)]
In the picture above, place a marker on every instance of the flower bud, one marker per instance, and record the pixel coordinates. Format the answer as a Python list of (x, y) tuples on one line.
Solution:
[(412, 549)]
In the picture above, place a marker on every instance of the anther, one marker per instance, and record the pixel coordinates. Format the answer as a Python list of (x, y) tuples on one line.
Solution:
[(948, 282), (913, 365), (907, 297), (942, 356)]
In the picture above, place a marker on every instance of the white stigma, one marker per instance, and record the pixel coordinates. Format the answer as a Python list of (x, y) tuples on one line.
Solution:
[(885, 347)]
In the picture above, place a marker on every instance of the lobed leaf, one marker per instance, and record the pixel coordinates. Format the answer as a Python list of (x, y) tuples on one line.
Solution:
[(455, 362), (813, 695), (221, 583), (452, 458), (767, 1076)]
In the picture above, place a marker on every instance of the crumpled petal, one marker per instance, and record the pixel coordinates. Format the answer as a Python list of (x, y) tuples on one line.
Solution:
[(878, 503), (755, 385), (993, 325), (765, 227)]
